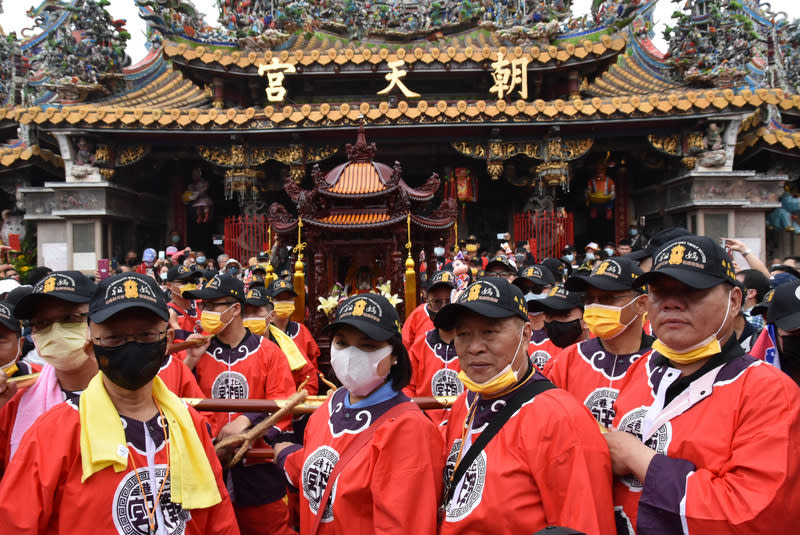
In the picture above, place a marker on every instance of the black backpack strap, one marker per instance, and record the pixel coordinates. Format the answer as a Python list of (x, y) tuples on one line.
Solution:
[(521, 396)]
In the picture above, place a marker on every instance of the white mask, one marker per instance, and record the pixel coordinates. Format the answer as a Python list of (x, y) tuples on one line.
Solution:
[(438, 251), (357, 369), (530, 296), (589, 256)]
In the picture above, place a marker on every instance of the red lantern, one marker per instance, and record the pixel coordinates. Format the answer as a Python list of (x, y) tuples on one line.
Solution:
[(464, 188)]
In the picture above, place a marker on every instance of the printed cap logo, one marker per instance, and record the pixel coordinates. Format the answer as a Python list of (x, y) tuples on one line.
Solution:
[(363, 307), (5, 312), (481, 291), (55, 282), (129, 288), (214, 283), (534, 272), (682, 253)]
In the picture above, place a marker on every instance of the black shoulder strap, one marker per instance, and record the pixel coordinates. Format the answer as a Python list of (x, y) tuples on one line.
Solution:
[(523, 395)]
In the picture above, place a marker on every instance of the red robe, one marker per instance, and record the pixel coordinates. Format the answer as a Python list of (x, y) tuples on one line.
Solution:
[(541, 349), (594, 376), (727, 448), (255, 369), (42, 493), (547, 466), (434, 371), (417, 324), (187, 320), (181, 381), (393, 483), (304, 341)]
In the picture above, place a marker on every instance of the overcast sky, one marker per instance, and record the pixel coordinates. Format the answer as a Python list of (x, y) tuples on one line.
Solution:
[(14, 18)]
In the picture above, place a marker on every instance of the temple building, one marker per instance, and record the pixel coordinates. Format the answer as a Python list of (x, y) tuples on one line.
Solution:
[(554, 128)]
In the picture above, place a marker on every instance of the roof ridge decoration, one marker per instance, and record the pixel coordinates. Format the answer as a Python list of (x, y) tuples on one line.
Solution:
[(284, 24), (725, 44), (360, 152), (80, 51)]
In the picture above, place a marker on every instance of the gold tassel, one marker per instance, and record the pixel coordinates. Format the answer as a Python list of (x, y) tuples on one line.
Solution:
[(299, 278), (411, 274), (270, 276)]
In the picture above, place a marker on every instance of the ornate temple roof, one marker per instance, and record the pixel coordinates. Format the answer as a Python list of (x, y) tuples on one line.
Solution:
[(362, 193), (23, 153), (357, 178), (138, 116), (348, 53)]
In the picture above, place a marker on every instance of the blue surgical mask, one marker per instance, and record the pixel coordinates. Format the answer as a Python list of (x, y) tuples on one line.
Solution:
[(233, 270), (570, 257), (609, 250), (589, 256), (634, 231), (176, 238), (200, 259)]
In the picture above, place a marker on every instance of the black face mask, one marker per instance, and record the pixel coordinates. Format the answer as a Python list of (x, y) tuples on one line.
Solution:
[(131, 365), (563, 333), (790, 354)]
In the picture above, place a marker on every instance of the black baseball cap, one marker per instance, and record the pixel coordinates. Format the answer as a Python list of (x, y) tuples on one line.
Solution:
[(763, 306), (614, 274), (558, 300), (124, 291), (221, 285), (279, 286), (263, 256), (784, 306), (537, 274), (503, 261), (557, 267), (70, 286), (442, 278), (371, 314), (16, 295), (492, 297), (7, 318), (697, 261), (182, 273), (257, 296), (659, 239)]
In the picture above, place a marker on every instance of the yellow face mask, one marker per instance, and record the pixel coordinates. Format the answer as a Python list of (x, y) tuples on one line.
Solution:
[(256, 325), (187, 287), (284, 309), (708, 347), (10, 369), (605, 321), (212, 323), (497, 384)]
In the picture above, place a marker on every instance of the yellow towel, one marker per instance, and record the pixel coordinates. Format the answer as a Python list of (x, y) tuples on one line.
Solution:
[(293, 354), (192, 482)]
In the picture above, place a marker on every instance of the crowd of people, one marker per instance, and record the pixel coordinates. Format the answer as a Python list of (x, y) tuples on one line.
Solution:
[(650, 390)]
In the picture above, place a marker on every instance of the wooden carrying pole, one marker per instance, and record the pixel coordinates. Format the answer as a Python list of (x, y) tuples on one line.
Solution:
[(310, 404)]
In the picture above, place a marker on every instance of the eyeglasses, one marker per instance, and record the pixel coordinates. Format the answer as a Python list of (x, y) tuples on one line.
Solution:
[(116, 340), (608, 300), (215, 306), (438, 302), (75, 317)]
